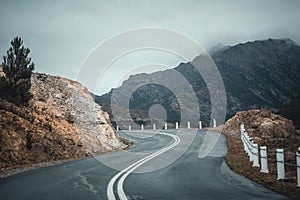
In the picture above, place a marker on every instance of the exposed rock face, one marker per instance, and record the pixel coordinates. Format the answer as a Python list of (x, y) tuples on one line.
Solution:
[(265, 128), (62, 122), (260, 74), (71, 101)]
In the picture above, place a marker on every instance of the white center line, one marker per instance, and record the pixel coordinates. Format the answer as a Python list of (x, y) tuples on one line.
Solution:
[(125, 172)]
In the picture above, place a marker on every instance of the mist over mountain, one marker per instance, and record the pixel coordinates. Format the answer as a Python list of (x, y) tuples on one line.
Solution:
[(259, 74), (218, 47)]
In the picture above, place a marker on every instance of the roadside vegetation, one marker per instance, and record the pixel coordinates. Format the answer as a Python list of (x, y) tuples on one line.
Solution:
[(17, 67), (266, 129)]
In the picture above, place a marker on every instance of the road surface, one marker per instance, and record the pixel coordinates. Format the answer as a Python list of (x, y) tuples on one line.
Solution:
[(154, 171)]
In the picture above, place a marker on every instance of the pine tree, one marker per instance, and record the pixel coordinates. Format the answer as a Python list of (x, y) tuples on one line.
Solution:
[(18, 68)]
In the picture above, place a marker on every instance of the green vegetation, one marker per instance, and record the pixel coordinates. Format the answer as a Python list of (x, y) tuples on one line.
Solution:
[(17, 67)]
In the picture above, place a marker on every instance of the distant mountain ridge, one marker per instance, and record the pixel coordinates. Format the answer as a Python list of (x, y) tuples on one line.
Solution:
[(259, 74)]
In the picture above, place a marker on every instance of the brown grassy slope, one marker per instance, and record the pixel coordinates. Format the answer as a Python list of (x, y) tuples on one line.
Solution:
[(269, 130), (28, 137)]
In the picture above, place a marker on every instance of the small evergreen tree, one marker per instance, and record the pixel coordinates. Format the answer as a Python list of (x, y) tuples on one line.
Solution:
[(18, 68)]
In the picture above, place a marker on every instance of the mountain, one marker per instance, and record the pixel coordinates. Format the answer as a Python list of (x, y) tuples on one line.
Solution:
[(62, 122), (216, 48), (259, 74), (292, 111)]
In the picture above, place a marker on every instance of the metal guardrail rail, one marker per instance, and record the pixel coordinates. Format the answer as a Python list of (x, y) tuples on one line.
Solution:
[(255, 152)]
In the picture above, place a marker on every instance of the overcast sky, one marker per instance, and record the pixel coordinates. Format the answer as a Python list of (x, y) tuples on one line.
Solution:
[(61, 34)]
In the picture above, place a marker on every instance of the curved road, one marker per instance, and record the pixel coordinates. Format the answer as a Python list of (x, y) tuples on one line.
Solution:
[(153, 172)]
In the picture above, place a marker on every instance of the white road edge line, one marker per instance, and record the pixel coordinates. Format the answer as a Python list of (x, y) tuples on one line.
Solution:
[(125, 172)]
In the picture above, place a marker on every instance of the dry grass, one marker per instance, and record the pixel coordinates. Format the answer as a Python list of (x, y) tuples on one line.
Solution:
[(239, 162)]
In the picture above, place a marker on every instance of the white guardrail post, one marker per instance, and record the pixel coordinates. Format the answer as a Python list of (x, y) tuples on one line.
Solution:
[(142, 127), (215, 123), (244, 142), (298, 166), (264, 160), (176, 125), (117, 128), (166, 126), (200, 125), (245, 145), (255, 153), (249, 148), (280, 164), (154, 127), (188, 125), (242, 127), (243, 138), (129, 127)]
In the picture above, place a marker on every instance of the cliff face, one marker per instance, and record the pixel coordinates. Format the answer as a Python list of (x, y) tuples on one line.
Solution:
[(62, 122), (260, 74)]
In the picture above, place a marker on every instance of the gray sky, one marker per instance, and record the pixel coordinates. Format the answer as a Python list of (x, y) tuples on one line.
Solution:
[(61, 34)]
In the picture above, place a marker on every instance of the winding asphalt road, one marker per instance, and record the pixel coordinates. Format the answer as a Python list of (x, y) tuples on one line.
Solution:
[(166, 165)]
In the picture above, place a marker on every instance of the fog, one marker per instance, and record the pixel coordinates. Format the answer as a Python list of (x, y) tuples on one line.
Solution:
[(61, 34)]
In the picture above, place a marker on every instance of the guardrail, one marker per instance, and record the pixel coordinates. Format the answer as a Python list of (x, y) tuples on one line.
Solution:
[(177, 126), (255, 152)]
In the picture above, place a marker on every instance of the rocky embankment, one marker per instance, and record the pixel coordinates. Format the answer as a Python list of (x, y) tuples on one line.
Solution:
[(62, 122), (266, 129)]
